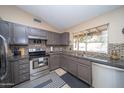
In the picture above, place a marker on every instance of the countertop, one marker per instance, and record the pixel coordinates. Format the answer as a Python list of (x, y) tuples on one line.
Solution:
[(16, 58), (105, 61)]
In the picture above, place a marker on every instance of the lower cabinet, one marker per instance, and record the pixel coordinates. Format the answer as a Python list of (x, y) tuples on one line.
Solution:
[(84, 73), (20, 71), (64, 62), (54, 61), (72, 67), (80, 68)]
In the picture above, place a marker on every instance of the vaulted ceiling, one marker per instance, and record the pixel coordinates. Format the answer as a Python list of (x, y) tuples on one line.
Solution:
[(66, 16)]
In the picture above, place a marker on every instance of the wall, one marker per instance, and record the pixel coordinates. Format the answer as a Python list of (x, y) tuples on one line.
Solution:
[(116, 20), (14, 14)]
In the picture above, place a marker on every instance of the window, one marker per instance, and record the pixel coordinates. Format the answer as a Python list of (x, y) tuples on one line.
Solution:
[(92, 40), (75, 44), (82, 42)]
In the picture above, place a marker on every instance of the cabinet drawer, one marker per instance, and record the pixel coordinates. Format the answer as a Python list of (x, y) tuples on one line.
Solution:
[(23, 71), (24, 66), (24, 77)]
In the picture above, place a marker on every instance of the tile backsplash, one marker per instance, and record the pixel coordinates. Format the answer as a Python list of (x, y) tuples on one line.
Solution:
[(42, 44), (118, 47), (111, 46)]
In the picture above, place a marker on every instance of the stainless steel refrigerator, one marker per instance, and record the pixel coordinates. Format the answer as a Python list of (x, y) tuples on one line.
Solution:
[(5, 80)]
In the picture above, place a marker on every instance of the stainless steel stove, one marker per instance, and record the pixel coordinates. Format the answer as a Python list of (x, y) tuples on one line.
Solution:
[(38, 63)]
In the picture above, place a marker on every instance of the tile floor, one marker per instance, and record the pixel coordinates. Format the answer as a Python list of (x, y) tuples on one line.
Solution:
[(61, 76), (61, 72), (71, 81)]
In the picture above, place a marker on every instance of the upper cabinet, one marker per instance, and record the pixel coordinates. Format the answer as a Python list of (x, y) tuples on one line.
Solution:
[(19, 35), (37, 33), (57, 38), (64, 38), (50, 38), (5, 30)]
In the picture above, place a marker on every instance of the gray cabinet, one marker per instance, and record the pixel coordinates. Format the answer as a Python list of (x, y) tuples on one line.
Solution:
[(5, 30), (69, 64), (78, 67), (14, 33), (64, 62), (65, 38), (37, 33), (53, 38), (72, 67), (20, 71), (19, 35), (50, 38), (54, 61), (57, 38), (84, 72)]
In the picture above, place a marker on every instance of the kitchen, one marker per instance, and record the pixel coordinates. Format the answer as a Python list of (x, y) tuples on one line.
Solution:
[(85, 53)]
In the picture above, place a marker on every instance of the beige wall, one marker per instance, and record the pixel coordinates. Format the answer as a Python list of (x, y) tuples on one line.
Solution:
[(16, 15), (116, 20)]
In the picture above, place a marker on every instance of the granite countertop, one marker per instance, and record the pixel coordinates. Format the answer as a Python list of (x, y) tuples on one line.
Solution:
[(106, 61), (101, 60), (16, 58)]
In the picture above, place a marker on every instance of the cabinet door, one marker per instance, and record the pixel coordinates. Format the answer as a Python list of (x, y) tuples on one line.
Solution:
[(54, 61), (37, 32), (20, 34), (50, 38), (58, 39), (64, 62), (5, 30), (72, 67), (84, 73), (34, 32), (65, 38), (44, 33)]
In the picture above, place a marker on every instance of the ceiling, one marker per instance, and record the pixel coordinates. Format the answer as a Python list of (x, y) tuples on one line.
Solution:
[(66, 16)]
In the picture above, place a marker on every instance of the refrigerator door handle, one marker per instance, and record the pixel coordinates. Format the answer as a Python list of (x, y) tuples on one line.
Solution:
[(5, 56)]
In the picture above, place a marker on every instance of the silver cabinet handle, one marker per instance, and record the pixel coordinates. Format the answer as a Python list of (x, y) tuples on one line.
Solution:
[(5, 55)]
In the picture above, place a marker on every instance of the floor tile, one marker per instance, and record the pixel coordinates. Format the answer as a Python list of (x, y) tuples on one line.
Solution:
[(60, 71)]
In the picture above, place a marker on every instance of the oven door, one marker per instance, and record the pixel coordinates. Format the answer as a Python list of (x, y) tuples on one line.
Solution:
[(37, 63)]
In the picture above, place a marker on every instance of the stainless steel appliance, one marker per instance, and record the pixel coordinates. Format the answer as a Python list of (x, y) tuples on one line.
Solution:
[(38, 63), (4, 64)]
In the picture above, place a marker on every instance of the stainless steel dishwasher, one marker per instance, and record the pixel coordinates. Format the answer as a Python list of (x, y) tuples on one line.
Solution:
[(104, 76)]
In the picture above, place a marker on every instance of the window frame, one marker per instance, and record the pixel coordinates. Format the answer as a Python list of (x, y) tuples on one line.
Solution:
[(93, 42)]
